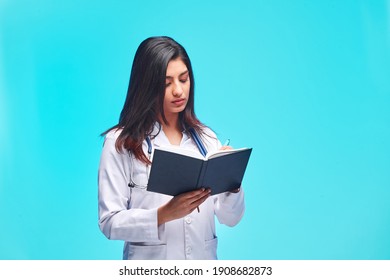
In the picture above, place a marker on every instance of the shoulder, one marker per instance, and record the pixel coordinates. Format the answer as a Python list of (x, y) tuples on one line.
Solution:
[(210, 139), (110, 139), (110, 155), (208, 132), (113, 134)]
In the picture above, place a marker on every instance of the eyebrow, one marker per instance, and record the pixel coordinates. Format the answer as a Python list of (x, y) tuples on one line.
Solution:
[(185, 72)]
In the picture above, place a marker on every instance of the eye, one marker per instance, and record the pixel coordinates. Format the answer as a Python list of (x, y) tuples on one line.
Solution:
[(167, 84), (183, 80)]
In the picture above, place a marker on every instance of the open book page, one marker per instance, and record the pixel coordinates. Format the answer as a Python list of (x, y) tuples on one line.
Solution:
[(196, 154), (220, 153), (181, 151)]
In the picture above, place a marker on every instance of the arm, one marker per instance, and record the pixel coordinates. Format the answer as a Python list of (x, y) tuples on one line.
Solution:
[(116, 220), (229, 207)]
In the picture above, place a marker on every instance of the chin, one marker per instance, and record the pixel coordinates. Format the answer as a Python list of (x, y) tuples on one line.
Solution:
[(178, 109)]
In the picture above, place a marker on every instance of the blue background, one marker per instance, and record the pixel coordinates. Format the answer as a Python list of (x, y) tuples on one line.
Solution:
[(305, 83)]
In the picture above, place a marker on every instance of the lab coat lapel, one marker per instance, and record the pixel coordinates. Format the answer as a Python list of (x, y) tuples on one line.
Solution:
[(159, 140)]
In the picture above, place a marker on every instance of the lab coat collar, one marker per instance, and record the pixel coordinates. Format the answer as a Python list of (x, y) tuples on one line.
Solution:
[(159, 138)]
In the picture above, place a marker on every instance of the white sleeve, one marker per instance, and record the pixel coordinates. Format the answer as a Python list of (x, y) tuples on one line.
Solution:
[(116, 221), (229, 207)]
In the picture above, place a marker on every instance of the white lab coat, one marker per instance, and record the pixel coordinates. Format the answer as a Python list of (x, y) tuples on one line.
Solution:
[(130, 214)]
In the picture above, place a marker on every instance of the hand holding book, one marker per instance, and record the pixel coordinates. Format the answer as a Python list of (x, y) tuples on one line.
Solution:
[(182, 205)]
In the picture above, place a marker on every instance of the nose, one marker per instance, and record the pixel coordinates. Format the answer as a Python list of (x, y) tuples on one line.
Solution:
[(177, 90)]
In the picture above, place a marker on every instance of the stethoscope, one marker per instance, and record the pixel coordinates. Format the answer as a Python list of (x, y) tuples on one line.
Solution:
[(194, 135)]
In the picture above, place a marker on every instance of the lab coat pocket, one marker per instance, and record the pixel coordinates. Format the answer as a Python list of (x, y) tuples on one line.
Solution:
[(147, 252), (211, 249)]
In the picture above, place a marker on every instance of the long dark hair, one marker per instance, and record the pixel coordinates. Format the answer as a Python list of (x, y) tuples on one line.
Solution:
[(145, 95)]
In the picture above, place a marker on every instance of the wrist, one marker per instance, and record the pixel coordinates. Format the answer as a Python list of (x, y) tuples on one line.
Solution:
[(161, 215)]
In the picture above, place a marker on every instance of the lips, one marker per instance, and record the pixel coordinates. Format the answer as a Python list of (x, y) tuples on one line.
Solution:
[(179, 102)]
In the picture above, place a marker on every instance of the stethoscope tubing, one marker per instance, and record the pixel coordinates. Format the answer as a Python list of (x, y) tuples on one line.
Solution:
[(198, 142)]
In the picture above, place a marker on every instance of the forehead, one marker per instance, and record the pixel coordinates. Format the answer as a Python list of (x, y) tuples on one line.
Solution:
[(176, 67)]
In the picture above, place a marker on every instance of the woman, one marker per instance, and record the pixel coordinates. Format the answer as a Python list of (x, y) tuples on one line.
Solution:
[(159, 111)]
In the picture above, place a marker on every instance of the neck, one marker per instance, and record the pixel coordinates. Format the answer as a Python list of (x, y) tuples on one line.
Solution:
[(172, 129), (172, 122)]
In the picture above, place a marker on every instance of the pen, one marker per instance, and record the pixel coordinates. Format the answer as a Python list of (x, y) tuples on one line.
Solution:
[(227, 142), (197, 207)]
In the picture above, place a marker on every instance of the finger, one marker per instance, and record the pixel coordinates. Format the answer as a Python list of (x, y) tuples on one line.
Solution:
[(226, 148), (189, 200), (192, 193), (199, 201), (205, 193)]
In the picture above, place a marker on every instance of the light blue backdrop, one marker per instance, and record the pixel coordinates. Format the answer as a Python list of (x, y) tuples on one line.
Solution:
[(305, 83)]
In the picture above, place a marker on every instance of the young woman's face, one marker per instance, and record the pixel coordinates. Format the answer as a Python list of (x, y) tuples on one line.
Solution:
[(177, 87)]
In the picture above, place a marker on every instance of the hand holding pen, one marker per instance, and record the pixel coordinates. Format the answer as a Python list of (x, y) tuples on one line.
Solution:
[(226, 145)]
